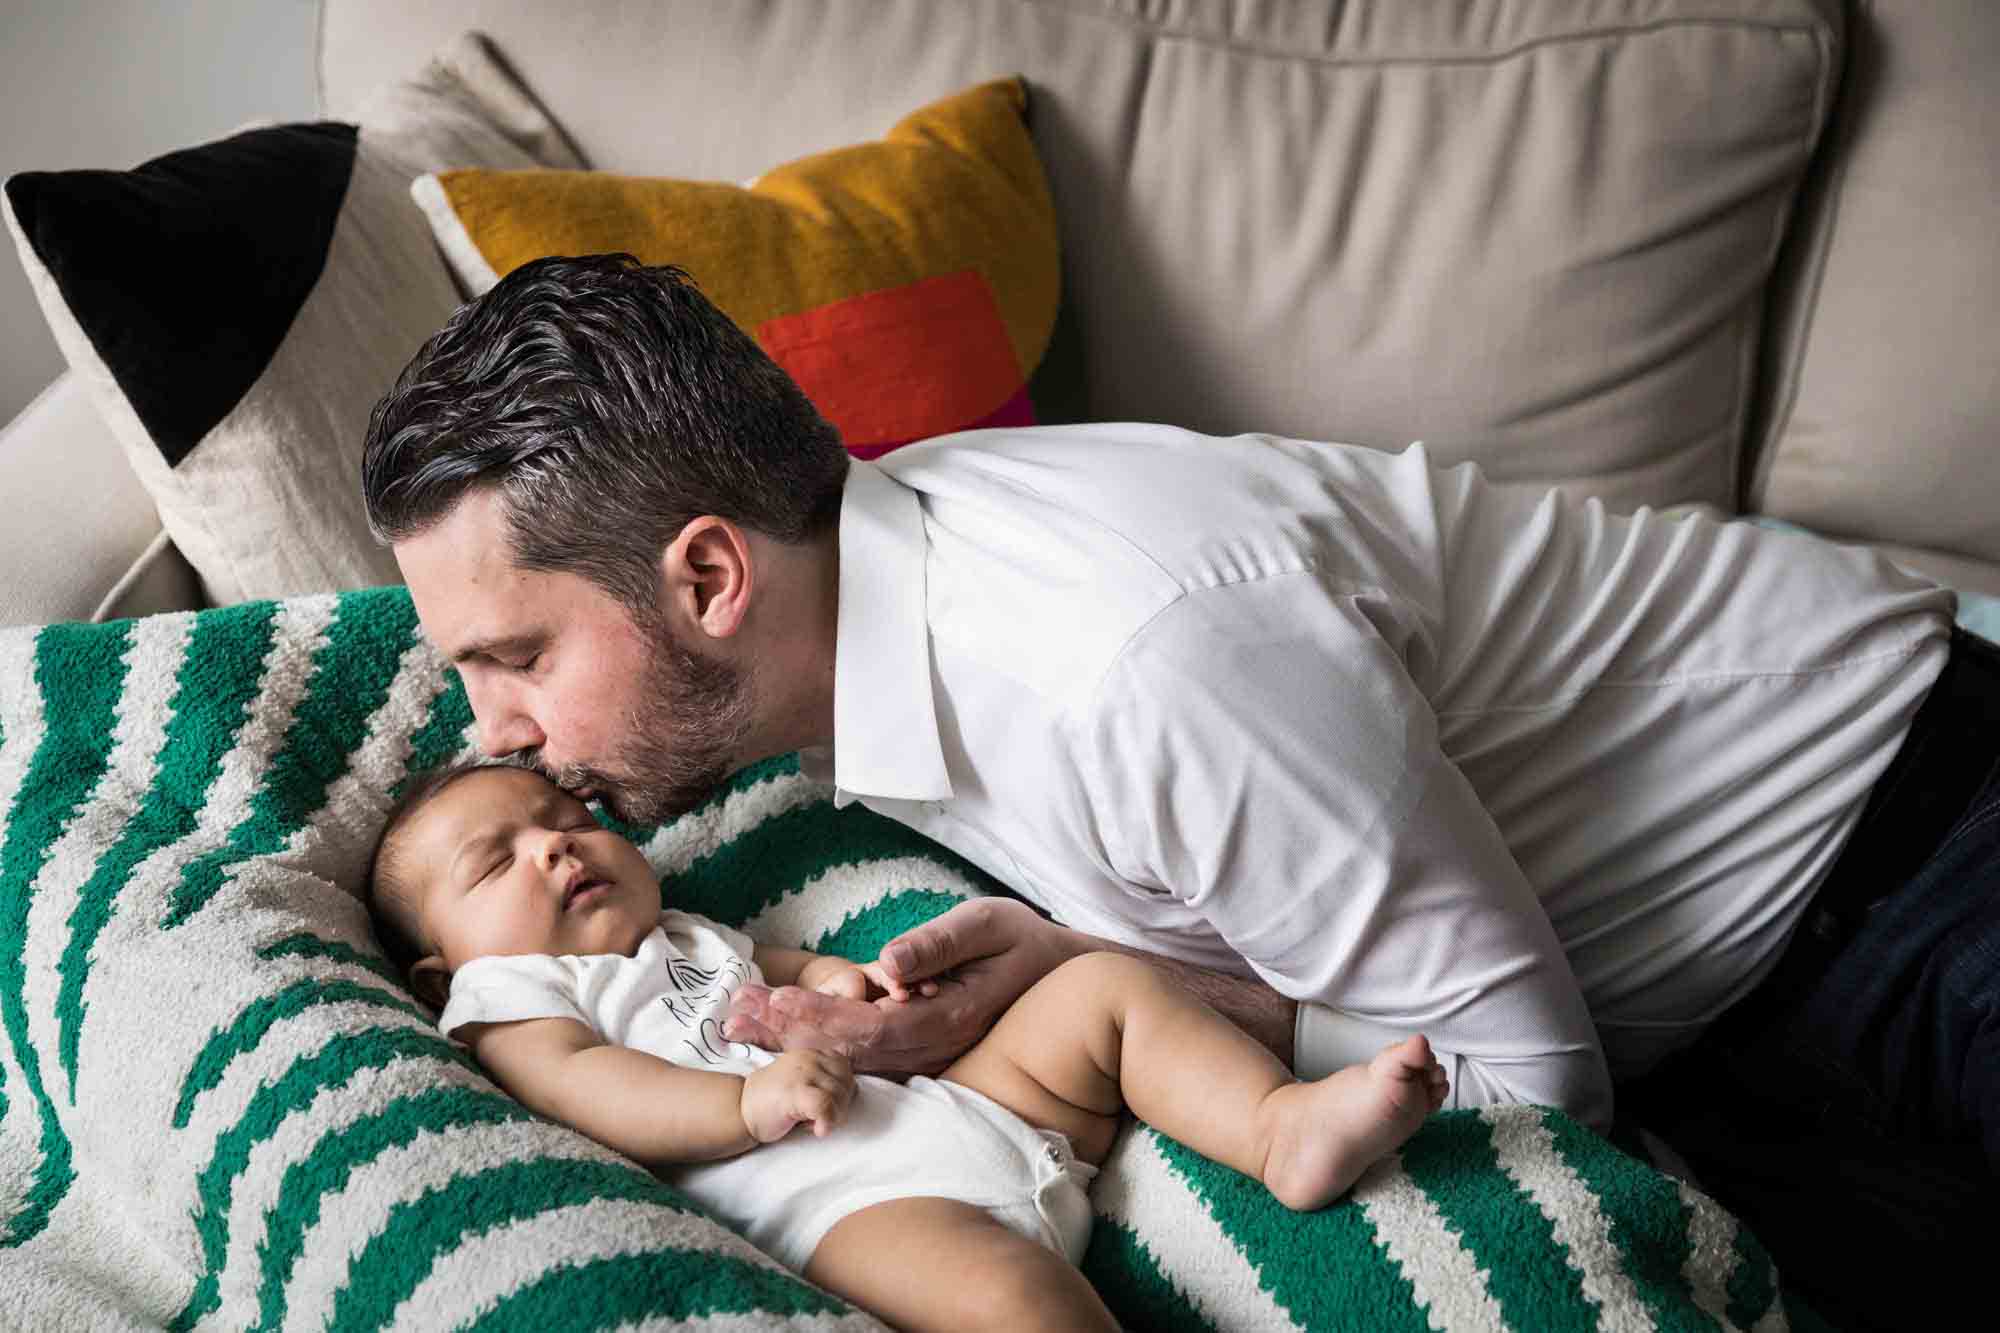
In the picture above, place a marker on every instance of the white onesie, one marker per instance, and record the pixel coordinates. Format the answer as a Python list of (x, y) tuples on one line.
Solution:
[(925, 1138)]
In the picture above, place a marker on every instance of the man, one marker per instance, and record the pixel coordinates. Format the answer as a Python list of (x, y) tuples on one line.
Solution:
[(1364, 747)]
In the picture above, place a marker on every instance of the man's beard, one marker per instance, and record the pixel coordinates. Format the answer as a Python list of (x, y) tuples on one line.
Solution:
[(682, 737)]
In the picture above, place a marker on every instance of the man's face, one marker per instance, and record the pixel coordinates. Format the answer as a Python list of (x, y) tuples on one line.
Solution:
[(505, 862), (557, 668)]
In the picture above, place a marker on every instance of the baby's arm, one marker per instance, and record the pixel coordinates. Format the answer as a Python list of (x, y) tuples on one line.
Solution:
[(650, 1109), (815, 972)]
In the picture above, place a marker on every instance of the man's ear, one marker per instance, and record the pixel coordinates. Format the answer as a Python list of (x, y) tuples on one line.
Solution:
[(431, 980), (707, 576)]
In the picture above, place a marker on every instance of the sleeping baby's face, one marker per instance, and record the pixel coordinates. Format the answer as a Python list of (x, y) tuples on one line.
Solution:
[(506, 862)]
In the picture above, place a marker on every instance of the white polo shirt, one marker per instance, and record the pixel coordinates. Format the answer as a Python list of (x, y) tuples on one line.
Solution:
[(1426, 753)]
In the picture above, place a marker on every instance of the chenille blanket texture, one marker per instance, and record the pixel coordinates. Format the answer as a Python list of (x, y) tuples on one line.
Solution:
[(219, 1108)]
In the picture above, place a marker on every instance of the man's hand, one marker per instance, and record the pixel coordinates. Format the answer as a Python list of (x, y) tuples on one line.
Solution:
[(979, 956), (799, 1087)]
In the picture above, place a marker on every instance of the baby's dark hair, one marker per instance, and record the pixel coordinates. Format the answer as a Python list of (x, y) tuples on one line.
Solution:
[(388, 896)]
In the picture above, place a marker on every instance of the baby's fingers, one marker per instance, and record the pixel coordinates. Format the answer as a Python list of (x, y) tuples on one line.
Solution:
[(826, 1099), (879, 978), (815, 1105)]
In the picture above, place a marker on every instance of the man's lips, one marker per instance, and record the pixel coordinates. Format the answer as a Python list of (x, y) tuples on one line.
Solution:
[(600, 797)]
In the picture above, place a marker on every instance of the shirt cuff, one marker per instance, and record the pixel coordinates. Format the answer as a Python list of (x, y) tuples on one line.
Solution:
[(1325, 1040)]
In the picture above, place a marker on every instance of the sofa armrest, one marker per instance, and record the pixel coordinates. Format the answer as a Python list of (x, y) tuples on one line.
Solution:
[(82, 540)]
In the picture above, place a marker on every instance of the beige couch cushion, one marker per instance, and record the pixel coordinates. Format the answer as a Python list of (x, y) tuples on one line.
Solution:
[(1533, 233), (1887, 409)]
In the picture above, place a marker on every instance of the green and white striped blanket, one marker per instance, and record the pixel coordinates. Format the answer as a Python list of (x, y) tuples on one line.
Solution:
[(220, 1109)]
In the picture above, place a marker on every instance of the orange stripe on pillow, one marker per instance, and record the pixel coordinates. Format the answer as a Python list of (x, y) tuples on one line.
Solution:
[(903, 363)]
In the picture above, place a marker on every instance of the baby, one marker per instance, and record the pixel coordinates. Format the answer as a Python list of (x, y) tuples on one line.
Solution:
[(948, 1202)]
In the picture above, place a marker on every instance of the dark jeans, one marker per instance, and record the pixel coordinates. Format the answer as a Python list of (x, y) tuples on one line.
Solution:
[(1848, 1110)]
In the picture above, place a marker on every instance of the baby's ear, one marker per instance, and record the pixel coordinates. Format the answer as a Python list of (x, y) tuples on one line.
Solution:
[(431, 980)]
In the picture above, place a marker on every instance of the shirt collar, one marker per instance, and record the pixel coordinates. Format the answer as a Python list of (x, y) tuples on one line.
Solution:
[(885, 731)]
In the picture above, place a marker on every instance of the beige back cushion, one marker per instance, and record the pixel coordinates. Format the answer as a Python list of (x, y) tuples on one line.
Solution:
[(1535, 234), (1886, 403)]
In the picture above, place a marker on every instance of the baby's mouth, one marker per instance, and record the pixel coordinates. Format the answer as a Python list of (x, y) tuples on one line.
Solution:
[(581, 886)]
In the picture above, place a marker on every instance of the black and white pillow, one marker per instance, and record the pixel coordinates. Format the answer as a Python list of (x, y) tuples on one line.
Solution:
[(237, 308)]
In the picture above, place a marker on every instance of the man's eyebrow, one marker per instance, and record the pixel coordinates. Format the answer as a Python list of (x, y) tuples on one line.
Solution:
[(497, 647)]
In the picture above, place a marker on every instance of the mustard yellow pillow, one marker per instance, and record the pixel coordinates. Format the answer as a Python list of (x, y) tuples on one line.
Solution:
[(909, 284)]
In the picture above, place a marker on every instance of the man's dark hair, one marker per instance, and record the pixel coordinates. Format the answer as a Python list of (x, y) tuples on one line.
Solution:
[(610, 403)]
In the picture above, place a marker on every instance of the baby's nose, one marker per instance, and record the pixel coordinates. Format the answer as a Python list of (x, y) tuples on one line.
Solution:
[(554, 848)]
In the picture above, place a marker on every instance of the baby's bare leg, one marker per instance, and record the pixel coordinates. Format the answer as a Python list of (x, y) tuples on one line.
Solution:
[(939, 1263), (1105, 1029)]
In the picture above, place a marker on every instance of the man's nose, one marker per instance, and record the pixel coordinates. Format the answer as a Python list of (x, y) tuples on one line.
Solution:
[(503, 729)]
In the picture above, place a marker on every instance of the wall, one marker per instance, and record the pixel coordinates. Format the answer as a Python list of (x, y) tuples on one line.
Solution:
[(112, 83)]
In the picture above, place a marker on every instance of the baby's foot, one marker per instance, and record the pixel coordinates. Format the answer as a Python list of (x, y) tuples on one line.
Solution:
[(1324, 1134)]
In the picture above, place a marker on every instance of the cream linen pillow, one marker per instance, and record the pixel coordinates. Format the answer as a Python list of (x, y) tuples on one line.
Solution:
[(236, 308)]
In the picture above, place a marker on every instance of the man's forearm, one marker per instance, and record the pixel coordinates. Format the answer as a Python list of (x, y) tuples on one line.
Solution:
[(1260, 1011)]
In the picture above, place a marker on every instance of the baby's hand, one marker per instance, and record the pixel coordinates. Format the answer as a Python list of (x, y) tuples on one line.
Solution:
[(797, 1088), (849, 982), (884, 984), (828, 975)]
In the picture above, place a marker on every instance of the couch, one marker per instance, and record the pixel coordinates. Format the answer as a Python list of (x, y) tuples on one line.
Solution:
[(1727, 255), (1247, 232)]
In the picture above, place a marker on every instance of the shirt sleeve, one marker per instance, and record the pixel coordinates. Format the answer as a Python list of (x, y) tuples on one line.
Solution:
[(509, 989), (1261, 753)]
